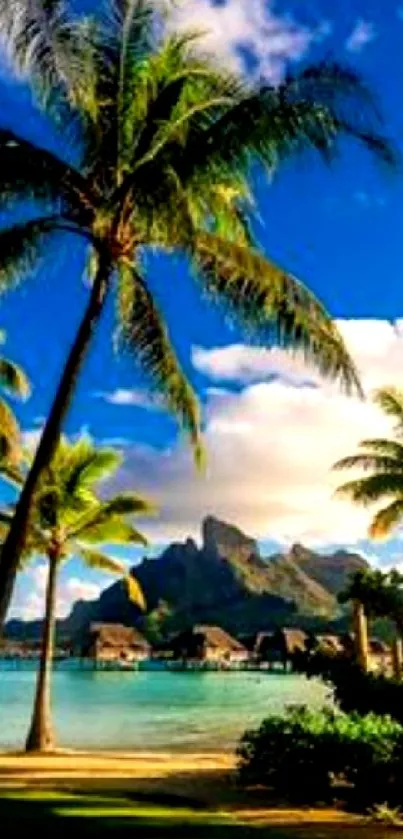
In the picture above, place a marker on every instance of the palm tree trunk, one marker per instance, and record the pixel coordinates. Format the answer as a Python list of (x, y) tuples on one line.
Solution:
[(14, 543), (361, 634), (397, 658), (40, 737)]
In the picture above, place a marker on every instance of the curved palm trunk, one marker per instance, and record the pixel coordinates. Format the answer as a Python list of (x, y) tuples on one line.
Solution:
[(361, 634), (40, 737), (14, 543)]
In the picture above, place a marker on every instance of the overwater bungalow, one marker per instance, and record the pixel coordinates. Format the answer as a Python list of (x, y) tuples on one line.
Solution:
[(113, 643), (208, 644), (280, 646)]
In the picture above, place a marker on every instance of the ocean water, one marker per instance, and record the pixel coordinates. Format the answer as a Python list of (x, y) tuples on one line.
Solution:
[(152, 711)]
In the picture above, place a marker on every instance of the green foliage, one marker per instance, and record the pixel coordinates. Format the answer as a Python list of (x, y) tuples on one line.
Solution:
[(165, 144), (309, 757), (384, 459), (69, 518), (353, 689), (15, 383)]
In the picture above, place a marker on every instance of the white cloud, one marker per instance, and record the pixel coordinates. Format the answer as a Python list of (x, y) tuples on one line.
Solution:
[(363, 33), (29, 599), (125, 396), (235, 28), (271, 445)]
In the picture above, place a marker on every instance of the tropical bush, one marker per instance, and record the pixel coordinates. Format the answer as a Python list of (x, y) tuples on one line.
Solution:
[(353, 689), (315, 757)]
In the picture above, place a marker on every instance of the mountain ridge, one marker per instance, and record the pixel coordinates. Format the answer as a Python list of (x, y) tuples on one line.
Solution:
[(226, 581)]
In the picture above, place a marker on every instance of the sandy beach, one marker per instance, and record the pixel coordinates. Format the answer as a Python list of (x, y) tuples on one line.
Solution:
[(201, 780)]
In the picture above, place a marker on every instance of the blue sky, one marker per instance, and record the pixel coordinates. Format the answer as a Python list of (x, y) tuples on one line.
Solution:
[(270, 444)]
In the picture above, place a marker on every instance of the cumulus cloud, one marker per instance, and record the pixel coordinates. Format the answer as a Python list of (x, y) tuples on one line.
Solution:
[(29, 600), (363, 33), (248, 34), (272, 442)]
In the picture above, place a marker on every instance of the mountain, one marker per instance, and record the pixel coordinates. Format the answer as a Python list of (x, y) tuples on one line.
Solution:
[(330, 571), (226, 582)]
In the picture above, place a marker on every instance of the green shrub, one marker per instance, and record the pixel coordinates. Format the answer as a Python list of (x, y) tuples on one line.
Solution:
[(353, 689), (310, 757)]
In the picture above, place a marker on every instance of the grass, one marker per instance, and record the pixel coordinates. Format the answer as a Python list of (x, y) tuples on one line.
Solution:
[(103, 816)]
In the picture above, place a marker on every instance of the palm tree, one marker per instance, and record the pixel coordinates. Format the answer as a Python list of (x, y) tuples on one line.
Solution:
[(165, 147), (14, 382), (357, 591), (69, 519), (384, 460), (376, 594)]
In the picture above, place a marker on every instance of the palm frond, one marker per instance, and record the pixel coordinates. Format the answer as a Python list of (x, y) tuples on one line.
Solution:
[(310, 110), (273, 306), (80, 465), (127, 504), (108, 530), (29, 171), (143, 332), (372, 488), (13, 378), (44, 44), (390, 400), (370, 462), (386, 520), (102, 562), (10, 438), (135, 592), (390, 448), (20, 250), (11, 473)]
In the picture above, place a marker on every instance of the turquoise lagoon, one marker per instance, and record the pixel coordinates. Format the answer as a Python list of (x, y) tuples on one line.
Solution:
[(152, 711)]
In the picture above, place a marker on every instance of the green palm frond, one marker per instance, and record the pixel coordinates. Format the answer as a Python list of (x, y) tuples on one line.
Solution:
[(390, 400), (102, 562), (370, 462), (389, 448), (80, 465), (13, 378), (386, 520), (20, 250), (312, 109), (135, 592), (373, 488), (29, 171), (273, 306), (10, 438), (109, 531), (12, 474), (143, 333), (127, 504)]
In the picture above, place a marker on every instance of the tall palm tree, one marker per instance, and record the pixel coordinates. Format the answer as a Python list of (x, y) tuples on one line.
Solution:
[(384, 460), (357, 591), (15, 383), (69, 519), (376, 594), (165, 145)]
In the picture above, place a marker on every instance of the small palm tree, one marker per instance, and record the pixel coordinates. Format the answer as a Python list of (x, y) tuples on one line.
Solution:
[(165, 148), (14, 382), (384, 460), (69, 519)]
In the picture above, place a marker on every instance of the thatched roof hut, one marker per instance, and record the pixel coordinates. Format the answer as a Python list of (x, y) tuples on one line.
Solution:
[(114, 642), (330, 644), (205, 642), (281, 645)]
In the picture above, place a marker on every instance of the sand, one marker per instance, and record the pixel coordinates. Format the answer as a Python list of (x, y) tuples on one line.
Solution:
[(199, 779)]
